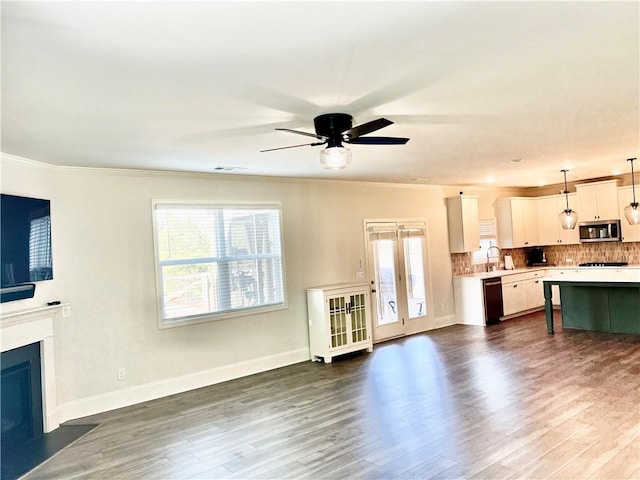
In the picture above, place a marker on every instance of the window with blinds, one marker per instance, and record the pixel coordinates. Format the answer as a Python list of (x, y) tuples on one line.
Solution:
[(487, 239), (217, 260)]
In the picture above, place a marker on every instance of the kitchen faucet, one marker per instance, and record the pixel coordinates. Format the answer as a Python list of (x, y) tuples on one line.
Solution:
[(488, 250)]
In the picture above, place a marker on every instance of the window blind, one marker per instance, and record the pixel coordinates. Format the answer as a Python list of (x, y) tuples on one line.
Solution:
[(487, 228), (218, 259), (383, 232)]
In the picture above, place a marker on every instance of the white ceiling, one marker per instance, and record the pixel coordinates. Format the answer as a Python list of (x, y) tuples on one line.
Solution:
[(192, 86)]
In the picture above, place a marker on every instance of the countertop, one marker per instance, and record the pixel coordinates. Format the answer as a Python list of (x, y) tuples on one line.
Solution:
[(504, 273)]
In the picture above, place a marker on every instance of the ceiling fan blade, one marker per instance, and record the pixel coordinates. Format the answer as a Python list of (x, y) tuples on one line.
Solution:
[(314, 144), (367, 127), (319, 137), (378, 140)]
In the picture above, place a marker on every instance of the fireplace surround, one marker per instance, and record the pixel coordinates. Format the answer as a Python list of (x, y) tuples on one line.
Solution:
[(35, 326)]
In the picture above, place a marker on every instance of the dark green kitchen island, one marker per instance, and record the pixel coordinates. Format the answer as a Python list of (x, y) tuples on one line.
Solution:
[(598, 305)]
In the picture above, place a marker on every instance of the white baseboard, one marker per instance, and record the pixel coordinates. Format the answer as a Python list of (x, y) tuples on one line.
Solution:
[(444, 321), (151, 391), (437, 322)]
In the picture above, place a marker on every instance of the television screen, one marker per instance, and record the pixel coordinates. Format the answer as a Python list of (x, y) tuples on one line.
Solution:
[(25, 240)]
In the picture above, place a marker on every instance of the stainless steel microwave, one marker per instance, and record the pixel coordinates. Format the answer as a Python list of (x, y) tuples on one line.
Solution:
[(600, 231)]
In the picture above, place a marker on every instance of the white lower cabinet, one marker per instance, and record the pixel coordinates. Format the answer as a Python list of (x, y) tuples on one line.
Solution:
[(513, 297), (522, 292), (339, 320), (534, 291)]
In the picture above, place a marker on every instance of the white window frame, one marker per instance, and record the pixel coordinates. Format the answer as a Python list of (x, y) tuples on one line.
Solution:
[(488, 237), (212, 316)]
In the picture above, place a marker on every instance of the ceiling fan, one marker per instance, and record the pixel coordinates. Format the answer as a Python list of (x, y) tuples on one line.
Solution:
[(334, 129)]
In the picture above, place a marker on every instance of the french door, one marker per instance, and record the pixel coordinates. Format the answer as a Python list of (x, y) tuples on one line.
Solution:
[(396, 267)]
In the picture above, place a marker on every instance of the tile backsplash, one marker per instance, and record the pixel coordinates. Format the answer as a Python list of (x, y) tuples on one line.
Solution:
[(461, 263)]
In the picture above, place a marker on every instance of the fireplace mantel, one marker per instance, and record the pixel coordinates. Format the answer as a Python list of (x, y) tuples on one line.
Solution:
[(21, 328)]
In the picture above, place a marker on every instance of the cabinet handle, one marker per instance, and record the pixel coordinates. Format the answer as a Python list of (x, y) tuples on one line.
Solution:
[(515, 285), (373, 290)]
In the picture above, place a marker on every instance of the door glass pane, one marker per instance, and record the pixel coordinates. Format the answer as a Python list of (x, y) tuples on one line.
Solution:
[(416, 297), (385, 271)]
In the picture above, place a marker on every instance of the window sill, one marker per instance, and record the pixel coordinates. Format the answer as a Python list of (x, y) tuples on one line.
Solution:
[(207, 317)]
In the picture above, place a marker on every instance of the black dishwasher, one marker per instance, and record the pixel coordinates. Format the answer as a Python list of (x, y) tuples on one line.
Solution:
[(492, 288)]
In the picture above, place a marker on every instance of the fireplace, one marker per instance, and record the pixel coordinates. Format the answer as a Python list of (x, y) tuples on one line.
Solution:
[(21, 396), (27, 346)]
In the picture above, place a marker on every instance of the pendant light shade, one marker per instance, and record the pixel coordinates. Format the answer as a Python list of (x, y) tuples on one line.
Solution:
[(632, 211), (568, 218)]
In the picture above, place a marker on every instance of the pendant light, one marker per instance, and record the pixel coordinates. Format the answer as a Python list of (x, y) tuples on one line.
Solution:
[(632, 211), (568, 218)]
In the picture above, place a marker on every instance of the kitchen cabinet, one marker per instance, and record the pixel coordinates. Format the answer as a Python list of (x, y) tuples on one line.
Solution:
[(598, 201), (630, 233), (534, 293), (339, 320), (522, 292), (550, 232), (513, 298), (463, 223), (516, 222)]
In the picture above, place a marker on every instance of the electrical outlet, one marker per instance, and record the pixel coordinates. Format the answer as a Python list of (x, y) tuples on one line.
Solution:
[(122, 374), (66, 311), (568, 261)]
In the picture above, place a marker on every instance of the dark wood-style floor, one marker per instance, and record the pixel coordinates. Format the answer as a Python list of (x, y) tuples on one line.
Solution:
[(507, 401)]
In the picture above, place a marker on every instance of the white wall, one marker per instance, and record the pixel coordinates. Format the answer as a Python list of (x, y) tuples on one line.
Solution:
[(104, 267)]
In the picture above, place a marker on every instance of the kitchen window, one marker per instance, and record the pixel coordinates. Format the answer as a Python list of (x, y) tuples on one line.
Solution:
[(217, 261), (487, 239)]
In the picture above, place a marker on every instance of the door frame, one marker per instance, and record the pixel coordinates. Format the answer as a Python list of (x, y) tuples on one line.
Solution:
[(411, 325)]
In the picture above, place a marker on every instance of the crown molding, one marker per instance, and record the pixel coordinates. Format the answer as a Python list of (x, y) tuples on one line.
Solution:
[(15, 159)]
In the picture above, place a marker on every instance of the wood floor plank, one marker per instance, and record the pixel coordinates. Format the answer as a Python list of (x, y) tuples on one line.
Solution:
[(507, 401), (623, 464)]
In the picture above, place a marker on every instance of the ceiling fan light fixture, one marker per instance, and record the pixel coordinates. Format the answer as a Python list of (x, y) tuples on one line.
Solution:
[(632, 211), (335, 158), (568, 218)]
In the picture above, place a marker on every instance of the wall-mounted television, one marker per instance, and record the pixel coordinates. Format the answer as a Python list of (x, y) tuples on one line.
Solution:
[(25, 240)]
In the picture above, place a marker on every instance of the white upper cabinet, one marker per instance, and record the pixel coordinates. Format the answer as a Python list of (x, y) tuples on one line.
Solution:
[(598, 201), (630, 233), (517, 222), (550, 232), (464, 225)]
